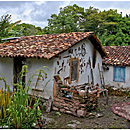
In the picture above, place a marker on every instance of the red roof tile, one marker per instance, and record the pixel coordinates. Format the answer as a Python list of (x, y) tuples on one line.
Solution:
[(117, 55), (44, 46)]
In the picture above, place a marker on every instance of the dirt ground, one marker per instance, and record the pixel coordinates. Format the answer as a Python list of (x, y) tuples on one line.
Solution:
[(102, 118)]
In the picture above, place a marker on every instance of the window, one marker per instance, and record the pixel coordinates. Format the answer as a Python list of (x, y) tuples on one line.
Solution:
[(74, 69), (119, 74)]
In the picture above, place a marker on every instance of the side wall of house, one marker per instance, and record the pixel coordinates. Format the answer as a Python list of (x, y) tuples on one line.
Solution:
[(60, 66), (108, 76), (34, 64), (6, 69), (84, 52)]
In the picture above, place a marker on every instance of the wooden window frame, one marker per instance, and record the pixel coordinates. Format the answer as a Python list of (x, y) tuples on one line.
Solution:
[(70, 62)]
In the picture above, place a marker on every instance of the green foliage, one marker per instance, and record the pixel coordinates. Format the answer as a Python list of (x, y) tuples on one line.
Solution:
[(15, 110), (26, 30), (109, 26), (6, 26)]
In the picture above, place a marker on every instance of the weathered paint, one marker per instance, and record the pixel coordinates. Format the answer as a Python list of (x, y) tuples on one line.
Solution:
[(59, 66), (6, 69), (108, 76), (34, 64), (83, 51)]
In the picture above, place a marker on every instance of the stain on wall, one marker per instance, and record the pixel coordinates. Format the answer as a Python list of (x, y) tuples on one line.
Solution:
[(85, 62)]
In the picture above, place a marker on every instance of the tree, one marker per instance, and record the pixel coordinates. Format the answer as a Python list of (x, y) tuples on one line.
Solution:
[(27, 30), (6, 26), (68, 20)]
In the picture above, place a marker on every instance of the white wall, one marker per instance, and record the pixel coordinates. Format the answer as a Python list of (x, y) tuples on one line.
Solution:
[(34, 64), (83, 51), (86, 70), (108, 76), (6, 69), (63, 59)]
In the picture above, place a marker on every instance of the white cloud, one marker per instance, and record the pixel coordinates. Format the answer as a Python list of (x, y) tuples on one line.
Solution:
[(37, 12), (66, 3), (124, 11)]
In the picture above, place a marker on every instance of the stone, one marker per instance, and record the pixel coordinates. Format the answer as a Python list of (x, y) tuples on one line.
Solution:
[(72, 109), (83, 109), (81, 113), (59, 100), (82, 93), (76, 104), (72, 125), (62, 110), (76, 98), (90, 114), (91, 99), (66, 108), (69, 112), (55, 108), (98, 115), (47, 120), (83, 105), (64, 104), (57, 103), (75, 121)]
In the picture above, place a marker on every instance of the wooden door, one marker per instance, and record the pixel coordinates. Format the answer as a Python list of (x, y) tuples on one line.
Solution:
[(18, 63)]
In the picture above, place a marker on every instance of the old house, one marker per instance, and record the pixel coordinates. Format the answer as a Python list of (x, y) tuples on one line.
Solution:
[(73, 56), (117, 66)]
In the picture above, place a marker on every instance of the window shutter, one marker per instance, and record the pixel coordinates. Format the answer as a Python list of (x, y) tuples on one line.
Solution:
[(119, 74)]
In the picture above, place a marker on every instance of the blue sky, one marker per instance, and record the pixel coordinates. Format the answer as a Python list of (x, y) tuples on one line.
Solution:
[(37, 12)]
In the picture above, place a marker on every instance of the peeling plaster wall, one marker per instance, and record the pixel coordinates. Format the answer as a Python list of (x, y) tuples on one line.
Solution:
[(83, 51), (34, 64), (108, 77), (60, 66), (6, 69)]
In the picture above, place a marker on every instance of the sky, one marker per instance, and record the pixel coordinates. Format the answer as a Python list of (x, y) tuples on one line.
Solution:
[(37, 12)]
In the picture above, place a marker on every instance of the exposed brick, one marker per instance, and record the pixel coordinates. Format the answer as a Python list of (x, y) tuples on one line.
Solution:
[(55, 108), (72, 109), (77, 98), (62, 110), (69, 112), (65, 104), (83, 109), (56, 103), (83, 105), (59, 100), (66, 108)]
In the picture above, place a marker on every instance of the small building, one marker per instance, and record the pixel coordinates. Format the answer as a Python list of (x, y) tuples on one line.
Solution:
[(117, 66), (74, 57)]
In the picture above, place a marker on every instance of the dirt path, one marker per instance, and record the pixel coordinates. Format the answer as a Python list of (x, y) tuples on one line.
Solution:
[(103, 118)]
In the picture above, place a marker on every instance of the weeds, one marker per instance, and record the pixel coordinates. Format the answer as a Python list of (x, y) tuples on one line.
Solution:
[(15, 109)]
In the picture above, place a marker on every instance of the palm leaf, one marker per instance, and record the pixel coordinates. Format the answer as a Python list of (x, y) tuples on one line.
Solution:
[(12, 25)]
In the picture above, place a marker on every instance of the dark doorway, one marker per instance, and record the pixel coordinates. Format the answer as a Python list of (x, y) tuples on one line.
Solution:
[(18, 63)]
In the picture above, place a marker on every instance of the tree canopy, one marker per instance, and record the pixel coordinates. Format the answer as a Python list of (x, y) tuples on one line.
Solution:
[(109, 26)]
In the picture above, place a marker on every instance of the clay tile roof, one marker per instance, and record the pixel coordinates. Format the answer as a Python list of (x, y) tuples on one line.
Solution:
[(43, 46), (117, 55)]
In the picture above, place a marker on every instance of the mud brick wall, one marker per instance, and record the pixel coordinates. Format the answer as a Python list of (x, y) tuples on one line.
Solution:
[(78, 104)]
